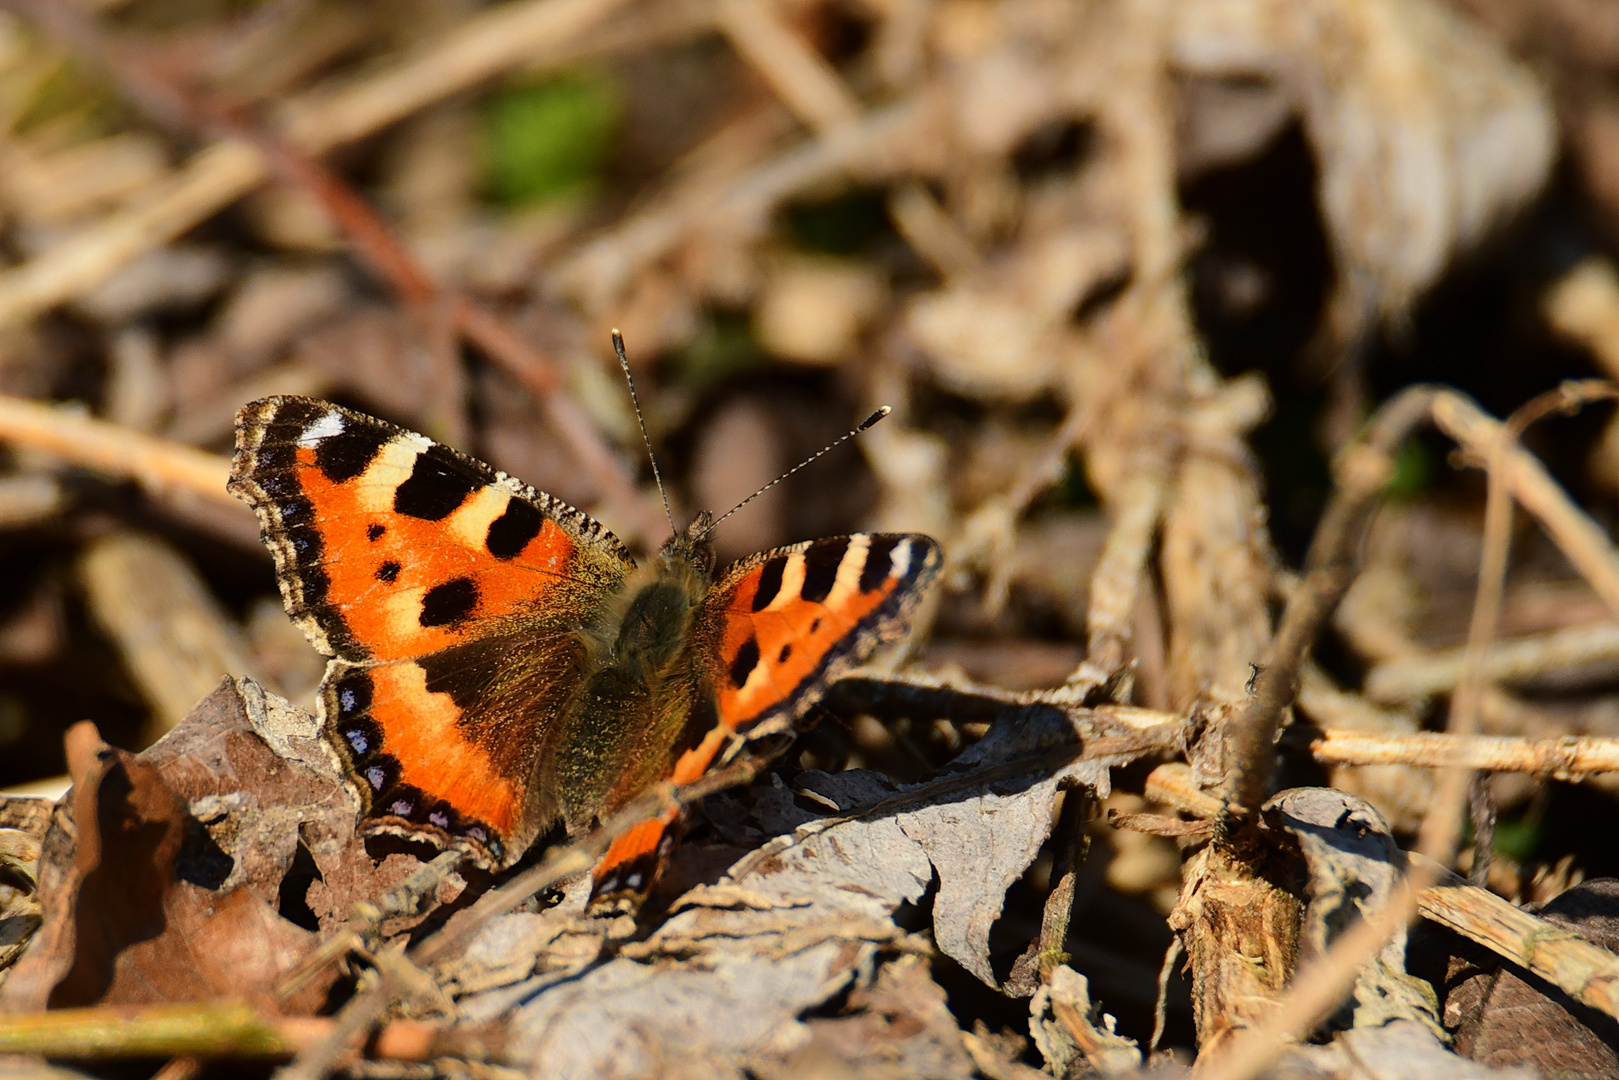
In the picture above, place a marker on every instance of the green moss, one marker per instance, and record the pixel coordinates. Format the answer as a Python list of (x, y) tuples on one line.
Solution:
[(722, 348), (1413, 470), (846, 224), (551, 139), (1518, 838)]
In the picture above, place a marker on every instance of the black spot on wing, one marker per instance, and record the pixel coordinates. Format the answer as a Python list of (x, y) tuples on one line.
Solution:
[(388, 571), (769, 582), (786, 651), (374, 531), (510, 533), (349, 453), (747, 658), (879, 562), (821, 562), (449, 603), (439, 482)]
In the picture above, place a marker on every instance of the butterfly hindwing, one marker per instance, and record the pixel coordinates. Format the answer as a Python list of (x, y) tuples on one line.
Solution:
[(451, 744), (778, 627)]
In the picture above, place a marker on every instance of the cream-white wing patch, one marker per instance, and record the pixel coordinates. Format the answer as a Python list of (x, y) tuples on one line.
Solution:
[(388, 470)]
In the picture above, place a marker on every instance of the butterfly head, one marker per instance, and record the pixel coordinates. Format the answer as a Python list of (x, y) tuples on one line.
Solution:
[(692, 547)]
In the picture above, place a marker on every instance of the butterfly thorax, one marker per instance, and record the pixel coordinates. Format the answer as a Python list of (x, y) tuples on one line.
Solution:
[(644, 627)]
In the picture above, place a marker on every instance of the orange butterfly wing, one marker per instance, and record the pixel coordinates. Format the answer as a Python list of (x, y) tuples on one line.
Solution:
[(779, 627), (448, 595), (774, 631)]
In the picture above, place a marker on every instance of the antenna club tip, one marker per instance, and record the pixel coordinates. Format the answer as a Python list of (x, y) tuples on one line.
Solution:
[(881, 412)]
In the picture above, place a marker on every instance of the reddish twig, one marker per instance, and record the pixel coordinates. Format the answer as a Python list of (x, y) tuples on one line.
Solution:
[(171, 101)]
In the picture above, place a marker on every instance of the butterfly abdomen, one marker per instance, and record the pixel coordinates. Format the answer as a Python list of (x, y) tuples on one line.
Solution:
[(629, 713)]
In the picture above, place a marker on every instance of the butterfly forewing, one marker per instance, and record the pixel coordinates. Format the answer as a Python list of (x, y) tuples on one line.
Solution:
[(779, 626), (389, 545)]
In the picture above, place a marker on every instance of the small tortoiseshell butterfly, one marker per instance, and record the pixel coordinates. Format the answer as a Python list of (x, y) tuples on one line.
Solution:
[(500, 664)]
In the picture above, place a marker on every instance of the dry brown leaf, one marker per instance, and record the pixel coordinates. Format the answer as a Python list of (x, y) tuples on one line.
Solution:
[(1506, 1017), (1426, 133), (1353, 864), (802, 921), (137, 911), (164, 880)]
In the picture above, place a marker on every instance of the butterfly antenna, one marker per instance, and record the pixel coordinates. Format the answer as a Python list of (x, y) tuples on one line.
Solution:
[(839, 441), (624, 362)]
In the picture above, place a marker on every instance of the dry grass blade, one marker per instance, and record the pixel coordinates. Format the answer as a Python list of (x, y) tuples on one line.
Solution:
[(159, 466)]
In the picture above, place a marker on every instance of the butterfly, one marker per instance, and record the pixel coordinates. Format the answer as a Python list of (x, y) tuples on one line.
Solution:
[(500, 664)]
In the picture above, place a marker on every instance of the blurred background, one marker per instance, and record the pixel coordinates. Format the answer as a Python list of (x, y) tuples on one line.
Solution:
[(1073, 243)]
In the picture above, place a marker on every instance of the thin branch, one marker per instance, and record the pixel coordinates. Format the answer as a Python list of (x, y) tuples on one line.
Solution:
[(1582, 541), (1566, 758), (1586, 972), (159, 466), (1362, 472)]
